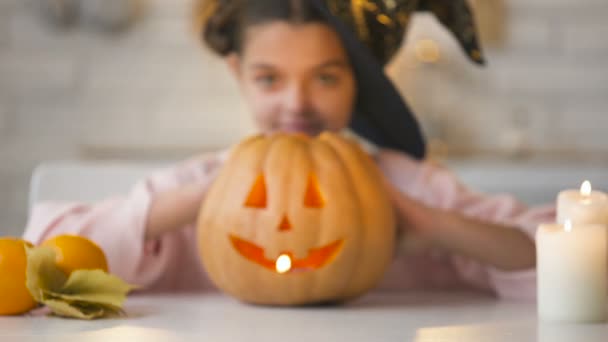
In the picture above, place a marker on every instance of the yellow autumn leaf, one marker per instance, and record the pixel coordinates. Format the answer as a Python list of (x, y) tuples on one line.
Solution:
[(80, 309), (41, 272), (85, 294), (96, 287), (63, 309)]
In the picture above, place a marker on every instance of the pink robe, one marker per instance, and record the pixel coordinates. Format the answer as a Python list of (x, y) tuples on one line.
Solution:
[(171, 263)]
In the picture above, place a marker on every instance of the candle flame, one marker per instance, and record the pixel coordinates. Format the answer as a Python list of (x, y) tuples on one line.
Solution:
[(586, 188), (568, 226), (283, 264)]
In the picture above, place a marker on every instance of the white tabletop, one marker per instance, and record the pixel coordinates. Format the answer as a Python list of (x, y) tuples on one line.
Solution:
[(376, 317)]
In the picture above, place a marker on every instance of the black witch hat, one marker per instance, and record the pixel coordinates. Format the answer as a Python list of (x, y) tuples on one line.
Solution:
[(372, 31)]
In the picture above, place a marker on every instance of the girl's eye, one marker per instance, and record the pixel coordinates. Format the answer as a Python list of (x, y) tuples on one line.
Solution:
[(266, 81), (328, 79)]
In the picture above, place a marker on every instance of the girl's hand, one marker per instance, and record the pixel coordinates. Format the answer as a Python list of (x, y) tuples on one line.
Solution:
[(418, 226), (413, 217), (177, 208)]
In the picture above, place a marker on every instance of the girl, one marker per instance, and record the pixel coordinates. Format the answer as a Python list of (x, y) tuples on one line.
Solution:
[(308, 66)]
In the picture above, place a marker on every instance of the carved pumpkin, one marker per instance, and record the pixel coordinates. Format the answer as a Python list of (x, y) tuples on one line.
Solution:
[(295, 220)]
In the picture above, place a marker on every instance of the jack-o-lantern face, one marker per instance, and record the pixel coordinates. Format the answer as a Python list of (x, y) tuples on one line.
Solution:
[(285, 262), (296, 220)]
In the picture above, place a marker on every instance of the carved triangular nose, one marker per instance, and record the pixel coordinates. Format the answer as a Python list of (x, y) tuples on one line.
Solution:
[(285, 225)]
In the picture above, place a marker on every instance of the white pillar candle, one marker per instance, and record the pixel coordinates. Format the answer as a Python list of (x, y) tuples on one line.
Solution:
[(572, 274), (582, 206)]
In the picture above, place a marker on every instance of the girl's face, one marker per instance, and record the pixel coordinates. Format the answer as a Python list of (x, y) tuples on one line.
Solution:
[(295, 77)]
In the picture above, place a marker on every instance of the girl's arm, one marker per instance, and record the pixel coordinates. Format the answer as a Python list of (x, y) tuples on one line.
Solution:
[(491, 238), (174, 209), (133, 229), (503, 247)]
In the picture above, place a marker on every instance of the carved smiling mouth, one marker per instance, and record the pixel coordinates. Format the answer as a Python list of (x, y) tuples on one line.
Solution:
[(317, 257)]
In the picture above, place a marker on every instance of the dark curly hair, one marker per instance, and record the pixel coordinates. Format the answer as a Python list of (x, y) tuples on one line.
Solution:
[(222, 23)]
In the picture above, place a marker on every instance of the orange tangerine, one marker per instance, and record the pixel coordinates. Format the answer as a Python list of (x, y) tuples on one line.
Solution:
[(15, 298), (77, 252)]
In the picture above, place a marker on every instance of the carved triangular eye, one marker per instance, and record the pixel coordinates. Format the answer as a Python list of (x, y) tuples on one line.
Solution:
[(313, 197), (257, 195)]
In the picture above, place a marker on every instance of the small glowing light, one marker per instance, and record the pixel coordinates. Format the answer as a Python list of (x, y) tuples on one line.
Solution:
[(427, 51), (283, 264), (384, 19), (568, 226), (586, 188)]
